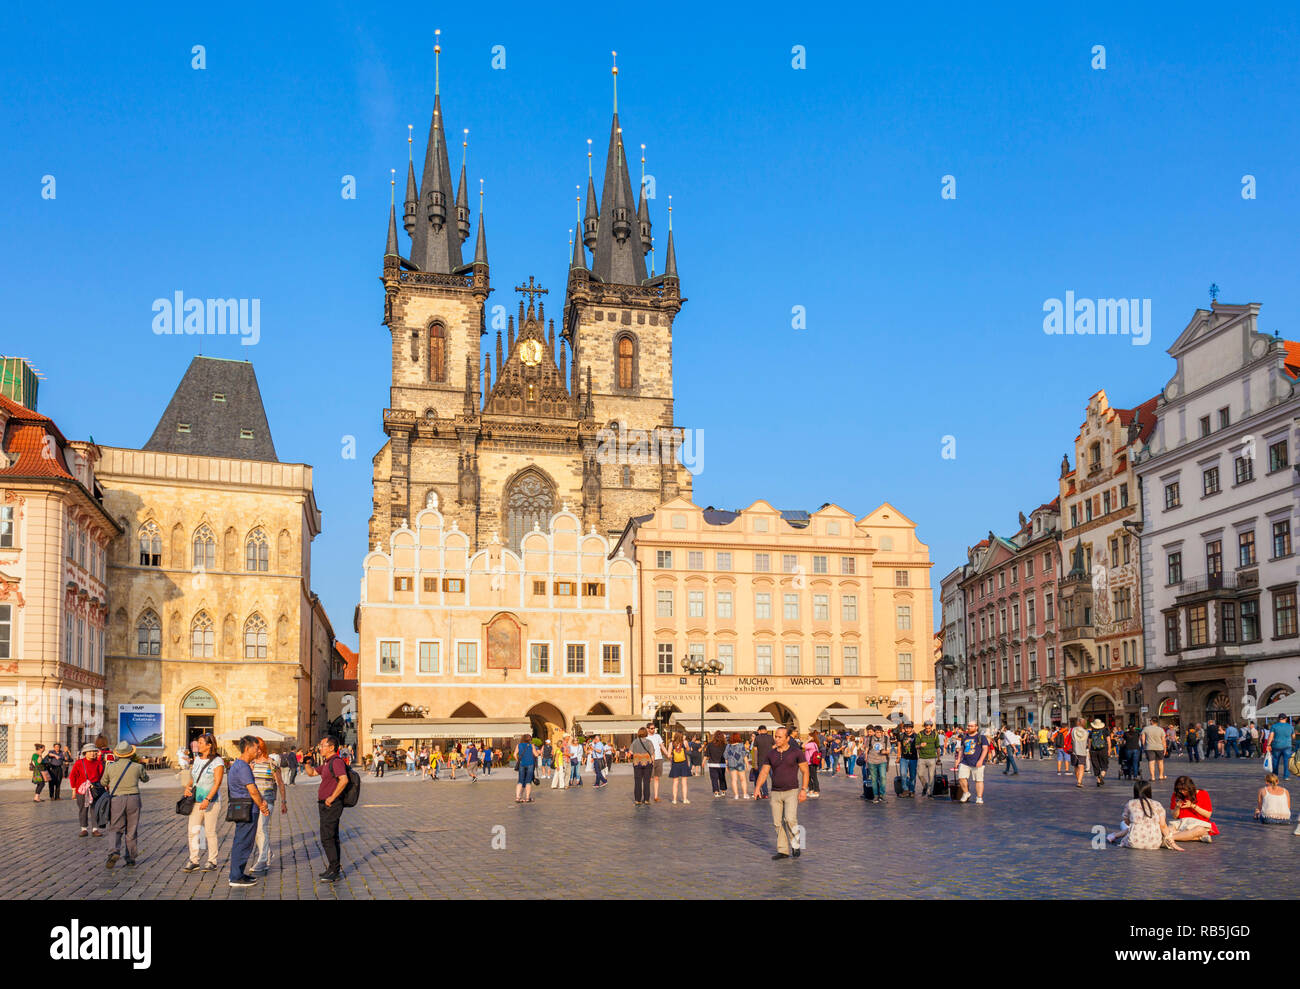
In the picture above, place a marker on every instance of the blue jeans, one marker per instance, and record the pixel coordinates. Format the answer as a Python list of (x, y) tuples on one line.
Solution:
[(909, 774), (574, 776), (245, 837), (1280, 759), (1230, 748), (878, 778), (1011, 762)]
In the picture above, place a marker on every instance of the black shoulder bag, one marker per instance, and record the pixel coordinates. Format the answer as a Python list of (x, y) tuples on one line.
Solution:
[(239, 810), (186, 803)]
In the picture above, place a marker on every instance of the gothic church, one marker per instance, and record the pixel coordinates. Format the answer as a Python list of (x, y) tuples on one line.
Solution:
[(500, 434)]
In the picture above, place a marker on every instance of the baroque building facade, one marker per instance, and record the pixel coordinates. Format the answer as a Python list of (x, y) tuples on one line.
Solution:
[(951, 665), (499, 419), (54, 537), (213, 617), (1015, 674), (809, 614), (1221, 505), (1100, 627)]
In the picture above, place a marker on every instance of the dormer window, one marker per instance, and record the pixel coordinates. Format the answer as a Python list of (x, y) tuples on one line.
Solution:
[(219, 397), (245, 434), (182, 427)]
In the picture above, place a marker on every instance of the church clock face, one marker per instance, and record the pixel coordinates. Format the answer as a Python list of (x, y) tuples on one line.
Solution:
[(530, 352)]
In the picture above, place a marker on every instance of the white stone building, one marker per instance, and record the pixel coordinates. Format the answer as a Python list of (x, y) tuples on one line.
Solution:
[(1219, 487)]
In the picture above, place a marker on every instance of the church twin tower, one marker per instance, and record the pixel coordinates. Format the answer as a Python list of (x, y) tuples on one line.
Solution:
[(500, 443)]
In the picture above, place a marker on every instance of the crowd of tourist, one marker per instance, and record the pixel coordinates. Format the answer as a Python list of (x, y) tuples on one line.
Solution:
[(783, 766)]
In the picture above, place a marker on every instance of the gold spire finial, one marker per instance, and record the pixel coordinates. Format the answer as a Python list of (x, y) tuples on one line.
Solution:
[(392, 188), (577, 202), (464, 148), (615, 73), (480, 199), (409, 138), (670, 213), (588, 157), (437, 50)]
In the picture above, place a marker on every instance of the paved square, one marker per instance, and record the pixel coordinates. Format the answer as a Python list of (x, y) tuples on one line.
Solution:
[(413, 839)]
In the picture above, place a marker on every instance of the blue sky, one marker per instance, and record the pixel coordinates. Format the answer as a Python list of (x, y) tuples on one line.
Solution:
[(817, 188)]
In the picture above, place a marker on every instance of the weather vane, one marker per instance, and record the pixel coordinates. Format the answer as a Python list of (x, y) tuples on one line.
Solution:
[(1214, 293)]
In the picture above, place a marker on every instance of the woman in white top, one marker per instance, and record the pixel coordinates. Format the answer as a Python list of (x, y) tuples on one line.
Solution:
[(1273, 804), (203, 782)]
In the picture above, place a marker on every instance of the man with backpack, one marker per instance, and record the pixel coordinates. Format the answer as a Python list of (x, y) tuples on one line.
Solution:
[(1099, 749), (929, 746), (335, 777), (1078, 740)]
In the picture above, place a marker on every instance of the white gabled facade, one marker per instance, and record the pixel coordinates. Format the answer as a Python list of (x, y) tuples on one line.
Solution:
[(1220, 516)]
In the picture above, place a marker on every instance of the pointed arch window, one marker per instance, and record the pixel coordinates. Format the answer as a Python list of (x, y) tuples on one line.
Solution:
[(202, 636), (255, 637), (148, 634), (625, 352), (437, 353), (150, 545), (257, 551), (530, 500), (205, 548)]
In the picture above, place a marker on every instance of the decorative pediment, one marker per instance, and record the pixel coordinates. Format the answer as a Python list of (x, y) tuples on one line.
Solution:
[(529, 379)]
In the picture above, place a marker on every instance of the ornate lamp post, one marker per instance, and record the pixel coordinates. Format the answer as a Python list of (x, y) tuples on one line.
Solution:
[(702, 668)]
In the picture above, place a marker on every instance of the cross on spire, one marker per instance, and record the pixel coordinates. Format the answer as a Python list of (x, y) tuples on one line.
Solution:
[(530, 290)]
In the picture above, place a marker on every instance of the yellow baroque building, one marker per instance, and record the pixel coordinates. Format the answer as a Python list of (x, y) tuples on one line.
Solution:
[(807, 613), (457, 644)]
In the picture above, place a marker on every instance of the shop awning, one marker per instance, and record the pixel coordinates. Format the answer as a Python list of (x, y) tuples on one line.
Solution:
[(459, 728), (608, 724), (857, 717), (1290, 704), (724, 721)]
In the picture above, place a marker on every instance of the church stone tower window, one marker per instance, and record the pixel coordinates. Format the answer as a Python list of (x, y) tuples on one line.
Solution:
[(437, 353), (529, 500), (625, 348)]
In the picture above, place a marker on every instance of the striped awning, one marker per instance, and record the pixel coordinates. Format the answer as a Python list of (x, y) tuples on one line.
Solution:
[(458, 728)]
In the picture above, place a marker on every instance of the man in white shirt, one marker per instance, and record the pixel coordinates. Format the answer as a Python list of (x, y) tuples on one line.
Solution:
[(598, 761), (1079, 751), (657, 741), (1012, 743)]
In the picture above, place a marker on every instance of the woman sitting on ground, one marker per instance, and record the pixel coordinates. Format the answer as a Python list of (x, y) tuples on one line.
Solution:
[(1273, 804), (1143, 823), (1192, 809)]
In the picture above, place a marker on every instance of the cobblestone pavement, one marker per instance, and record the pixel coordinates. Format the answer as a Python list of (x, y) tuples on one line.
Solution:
[(414, 839)]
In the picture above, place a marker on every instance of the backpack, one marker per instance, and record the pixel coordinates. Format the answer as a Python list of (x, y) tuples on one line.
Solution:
[(816, 759), (351, 792), (1097, 739)]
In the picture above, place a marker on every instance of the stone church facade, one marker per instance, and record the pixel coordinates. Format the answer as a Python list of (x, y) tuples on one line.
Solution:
[(498, 430)]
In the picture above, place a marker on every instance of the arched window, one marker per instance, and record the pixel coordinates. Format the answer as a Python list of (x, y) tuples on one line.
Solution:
[(202, 636), (205, 549), (255, 637), (437, 353), (626, 362), (257, 551), (529, 500), (150, 545), (148, 635)]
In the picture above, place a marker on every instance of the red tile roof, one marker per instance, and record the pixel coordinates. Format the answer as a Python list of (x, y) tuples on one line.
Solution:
[(30, 437), (1145, 415), (349, 661), (1292, 360)]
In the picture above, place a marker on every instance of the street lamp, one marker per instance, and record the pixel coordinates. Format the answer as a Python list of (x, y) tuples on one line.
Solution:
[(702, 668)]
